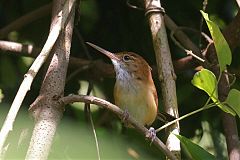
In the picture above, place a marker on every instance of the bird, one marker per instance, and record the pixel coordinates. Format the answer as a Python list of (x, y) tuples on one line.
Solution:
[(134, 89)]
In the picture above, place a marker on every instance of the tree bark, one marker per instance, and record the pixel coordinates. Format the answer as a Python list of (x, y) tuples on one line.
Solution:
[(166, 72), (46, 110)]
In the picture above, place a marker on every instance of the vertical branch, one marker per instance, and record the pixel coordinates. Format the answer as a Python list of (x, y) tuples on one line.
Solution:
[(165, 69), (28, 79), (46, 111)]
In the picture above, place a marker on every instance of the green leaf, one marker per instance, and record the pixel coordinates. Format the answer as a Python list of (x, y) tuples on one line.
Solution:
[(206, 80), (222, 48), (195, 151), (233, 100)]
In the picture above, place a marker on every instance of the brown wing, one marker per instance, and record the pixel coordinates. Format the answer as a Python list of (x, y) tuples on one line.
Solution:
[(155, 96)]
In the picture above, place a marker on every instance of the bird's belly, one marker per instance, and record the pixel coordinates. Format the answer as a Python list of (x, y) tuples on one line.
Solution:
[(143, 109)]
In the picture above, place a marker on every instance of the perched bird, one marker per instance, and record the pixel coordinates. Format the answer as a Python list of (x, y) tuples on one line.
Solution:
[(134, 90)]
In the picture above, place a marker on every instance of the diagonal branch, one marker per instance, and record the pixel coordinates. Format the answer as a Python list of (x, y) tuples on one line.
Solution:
[(115, 109)]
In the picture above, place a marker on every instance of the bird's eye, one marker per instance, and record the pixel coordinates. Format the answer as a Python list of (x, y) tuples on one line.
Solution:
[(126, 58)]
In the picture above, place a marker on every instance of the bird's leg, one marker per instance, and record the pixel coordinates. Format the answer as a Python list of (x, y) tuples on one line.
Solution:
[(151, 134), (125, 117)]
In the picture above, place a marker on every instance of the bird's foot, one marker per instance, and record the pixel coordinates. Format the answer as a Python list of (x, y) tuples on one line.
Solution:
[(125, 117), (151, 134)]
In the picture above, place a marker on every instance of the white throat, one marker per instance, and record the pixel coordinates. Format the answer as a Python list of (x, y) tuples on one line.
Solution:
[(123, 77)]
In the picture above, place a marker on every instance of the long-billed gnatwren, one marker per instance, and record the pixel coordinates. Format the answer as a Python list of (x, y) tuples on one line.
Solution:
[(134, 90)]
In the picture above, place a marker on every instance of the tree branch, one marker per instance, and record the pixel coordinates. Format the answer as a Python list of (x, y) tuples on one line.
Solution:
[(115, 109), (101, 69), (181, 36), (166, 72), (45, 109), (58, 22), (19, 48)]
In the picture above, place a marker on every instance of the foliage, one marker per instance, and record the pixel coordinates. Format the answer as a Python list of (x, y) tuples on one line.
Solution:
[(206, 81), (233, 100), (194, 151), (221, 45)]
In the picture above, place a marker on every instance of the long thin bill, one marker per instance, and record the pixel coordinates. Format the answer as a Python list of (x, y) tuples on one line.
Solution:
[(107, 53)]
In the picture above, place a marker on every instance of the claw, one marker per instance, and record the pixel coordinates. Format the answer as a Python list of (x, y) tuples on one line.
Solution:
[(125, 117), (151, 134)]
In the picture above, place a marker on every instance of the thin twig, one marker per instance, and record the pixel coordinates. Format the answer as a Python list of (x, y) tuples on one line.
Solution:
[(87, 107), (87, 110), (83, 44), (205, 2), (95, 135), (28, 49), (130, 5), (85, 51), (78, 70), (115, 109), (189, 52), (181, 36), (185, 116)]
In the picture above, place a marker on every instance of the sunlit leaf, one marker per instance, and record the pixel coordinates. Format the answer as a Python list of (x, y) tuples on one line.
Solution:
[(233, 100), (222, 48), (206, 80), (195, 151)]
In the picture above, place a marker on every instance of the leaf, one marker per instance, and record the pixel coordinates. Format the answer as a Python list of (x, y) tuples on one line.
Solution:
[(195, 151), (206, 80), (222, 48), (233, 100)]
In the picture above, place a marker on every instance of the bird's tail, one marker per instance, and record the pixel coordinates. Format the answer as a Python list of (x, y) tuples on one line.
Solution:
[(165, 117)]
